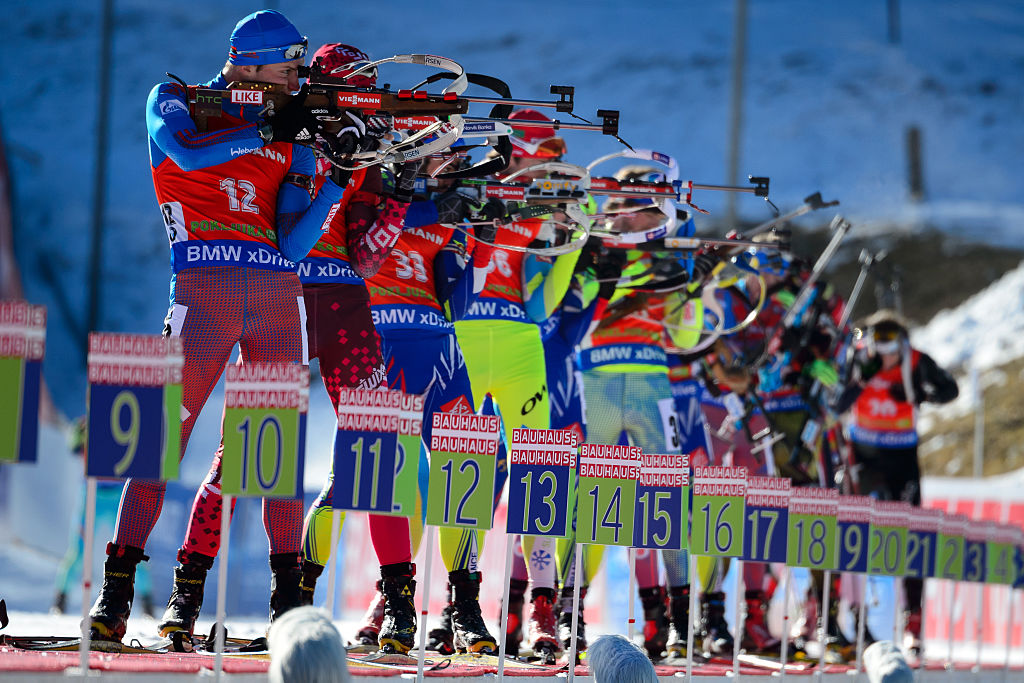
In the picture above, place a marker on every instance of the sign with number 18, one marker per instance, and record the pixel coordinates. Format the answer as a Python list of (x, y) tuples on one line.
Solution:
[(812, 527)]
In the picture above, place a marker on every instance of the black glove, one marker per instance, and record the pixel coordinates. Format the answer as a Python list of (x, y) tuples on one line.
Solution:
[(452, 207), (377, 127), (294, 122), (590, 254), (609, 270), (492, 210), (869, 367), (898, 393), (703, 264), (405, 183), (351, 139)]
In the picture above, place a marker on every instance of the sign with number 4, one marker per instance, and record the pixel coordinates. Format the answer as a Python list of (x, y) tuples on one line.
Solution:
[(134, 423), (265, 407)]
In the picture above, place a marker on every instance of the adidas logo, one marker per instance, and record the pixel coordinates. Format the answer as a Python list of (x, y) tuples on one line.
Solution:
[(302, 135)]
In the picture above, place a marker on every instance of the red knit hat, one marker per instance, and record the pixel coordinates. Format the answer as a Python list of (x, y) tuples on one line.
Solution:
[(535, 142), (337, 60)]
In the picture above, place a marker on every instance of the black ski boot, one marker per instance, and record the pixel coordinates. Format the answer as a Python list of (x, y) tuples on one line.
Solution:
[(714, 628), (655, 621), (285, 583), (756, 636), (565, 621), (679, 615), (109, 614), (469, 632), (514, 628), (311, 571), (398, 629), (179, 620), (441, 639)]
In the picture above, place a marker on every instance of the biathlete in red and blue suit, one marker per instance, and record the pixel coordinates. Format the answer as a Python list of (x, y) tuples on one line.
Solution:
[(236, 205)]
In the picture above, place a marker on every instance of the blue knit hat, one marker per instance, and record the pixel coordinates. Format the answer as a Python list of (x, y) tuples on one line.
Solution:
[(265, 37)]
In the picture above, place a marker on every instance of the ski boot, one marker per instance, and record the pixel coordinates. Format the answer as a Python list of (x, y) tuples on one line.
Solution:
[(398, 628), (369, 629), (679, 615), (179, 620), (469, 632), (311, 571), (285, 583), (441, 639), (514, 628), (60, 603), (109, 614), (756, 636), (543, 626), (714, 629), (565, 622), (655, 620), (837, 640), (912, 633)]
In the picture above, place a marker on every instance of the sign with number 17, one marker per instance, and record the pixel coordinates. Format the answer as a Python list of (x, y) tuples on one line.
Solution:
[(265, 406), (767, 519), (134, 425)]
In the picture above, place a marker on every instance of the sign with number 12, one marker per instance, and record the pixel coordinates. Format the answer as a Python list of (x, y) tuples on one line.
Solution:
[(407, 463), (463, 449), (134, 427), (265, 406)]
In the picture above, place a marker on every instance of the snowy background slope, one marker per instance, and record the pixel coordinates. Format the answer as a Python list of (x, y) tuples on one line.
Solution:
[(827, 104)]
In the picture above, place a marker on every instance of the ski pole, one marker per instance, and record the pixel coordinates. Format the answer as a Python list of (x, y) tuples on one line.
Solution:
[(576, 590), (428, 558), (509, 540), (222, 584), (90, 531)]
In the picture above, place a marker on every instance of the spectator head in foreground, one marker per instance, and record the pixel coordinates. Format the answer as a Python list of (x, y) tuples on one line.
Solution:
[(613, 659), (305, 647)]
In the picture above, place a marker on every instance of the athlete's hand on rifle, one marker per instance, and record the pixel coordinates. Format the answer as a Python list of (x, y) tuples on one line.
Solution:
[(705, 262), (294, 122), (823, 371), (609, 270), (405, 183), (488, 214)]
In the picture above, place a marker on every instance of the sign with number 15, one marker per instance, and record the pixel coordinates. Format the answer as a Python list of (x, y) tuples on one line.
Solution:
[(662, 502)]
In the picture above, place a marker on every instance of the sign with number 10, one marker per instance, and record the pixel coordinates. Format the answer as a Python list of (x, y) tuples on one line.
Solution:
[(265, 406), (888, 538), (812, 528), (540, 464), (365, 450), (662, 502), (607, 495), (922, 540), (974, 552), (463, 449), (718, 501), (22, 346), (766, 524), (950, 557), (134, 423)]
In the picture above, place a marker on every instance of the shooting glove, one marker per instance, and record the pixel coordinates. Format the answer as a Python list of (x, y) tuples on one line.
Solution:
[(823, 371), (294, 122)]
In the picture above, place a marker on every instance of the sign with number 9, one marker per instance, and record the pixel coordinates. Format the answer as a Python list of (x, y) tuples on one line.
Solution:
[(265, 407), (134, 426)]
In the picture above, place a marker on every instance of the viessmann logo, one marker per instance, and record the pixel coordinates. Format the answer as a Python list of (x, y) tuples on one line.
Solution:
[(499, 192), (358, 100)]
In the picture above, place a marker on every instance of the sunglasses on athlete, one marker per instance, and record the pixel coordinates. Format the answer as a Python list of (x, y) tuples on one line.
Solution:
[(289, 52), (547, 148)]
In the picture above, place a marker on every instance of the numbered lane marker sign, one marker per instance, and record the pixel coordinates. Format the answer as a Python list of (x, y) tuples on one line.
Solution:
[(265, 407), (718, 502), (766, 522), (22, 346), (607, 495), (922, 541), (853, 527), (407, 456), (888, 544), (1018, 555), (134, 422), (812, 528), (1000, 565), (974, 552), (662, 502), (950, 556), (365, 450), (539, 478), (463, 449)]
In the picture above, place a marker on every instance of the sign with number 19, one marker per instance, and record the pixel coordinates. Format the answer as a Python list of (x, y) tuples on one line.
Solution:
[(718, 511), (265, 406), (22, 345), (853, 527), (134, 423), (463, 449)]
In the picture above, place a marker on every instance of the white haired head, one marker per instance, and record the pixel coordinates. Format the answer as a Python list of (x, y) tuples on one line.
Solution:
[(305, 647), (614, 658)]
